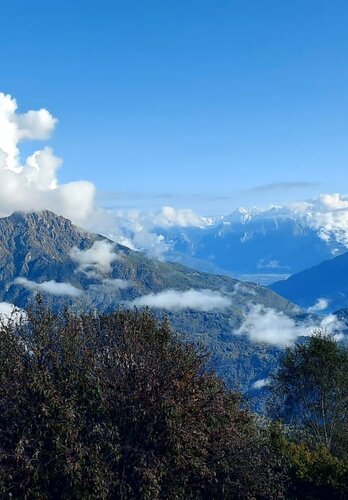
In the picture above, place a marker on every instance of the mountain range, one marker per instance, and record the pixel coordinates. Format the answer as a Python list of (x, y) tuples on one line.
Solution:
[(262, 246), (46, 253)]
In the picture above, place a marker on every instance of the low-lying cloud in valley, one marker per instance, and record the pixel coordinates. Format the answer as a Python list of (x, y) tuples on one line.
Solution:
[(51, 287), (270, 326), (97, 259), (266, 325), (118, 283), (174, 300)]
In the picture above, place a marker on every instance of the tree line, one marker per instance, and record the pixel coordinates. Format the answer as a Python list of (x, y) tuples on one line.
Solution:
[(118, 406)]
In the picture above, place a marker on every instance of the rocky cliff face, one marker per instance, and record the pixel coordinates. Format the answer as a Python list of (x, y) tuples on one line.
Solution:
[(33, 243)]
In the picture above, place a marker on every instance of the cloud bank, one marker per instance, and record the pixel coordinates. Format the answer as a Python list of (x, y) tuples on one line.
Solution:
[(52, 287), (173, 300)]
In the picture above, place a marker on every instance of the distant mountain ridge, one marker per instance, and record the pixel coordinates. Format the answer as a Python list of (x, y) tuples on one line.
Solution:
[(327, 281), (262, 246)]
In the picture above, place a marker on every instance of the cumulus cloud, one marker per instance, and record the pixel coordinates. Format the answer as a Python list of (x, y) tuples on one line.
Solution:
[(33, 184), (52, 287), (174, 300), (320, 305), (36, 125), (97, 259), (266, 325)]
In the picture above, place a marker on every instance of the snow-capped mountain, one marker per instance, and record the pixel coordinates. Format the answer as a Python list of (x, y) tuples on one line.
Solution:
[(262, 245)]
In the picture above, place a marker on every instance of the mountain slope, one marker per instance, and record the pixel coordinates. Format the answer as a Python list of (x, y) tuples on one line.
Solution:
[(328, 280), (44, 252)]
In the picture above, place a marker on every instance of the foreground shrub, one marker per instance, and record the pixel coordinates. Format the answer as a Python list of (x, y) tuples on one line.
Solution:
[(116, 407), (314, 472)]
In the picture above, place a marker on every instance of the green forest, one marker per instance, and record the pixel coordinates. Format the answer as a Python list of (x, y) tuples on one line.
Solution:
[(119, 406)]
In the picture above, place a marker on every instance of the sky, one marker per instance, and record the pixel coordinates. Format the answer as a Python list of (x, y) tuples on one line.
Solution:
[(195, 104)]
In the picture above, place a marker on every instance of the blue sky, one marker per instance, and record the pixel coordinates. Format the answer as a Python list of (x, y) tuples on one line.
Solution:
[(195, 103)]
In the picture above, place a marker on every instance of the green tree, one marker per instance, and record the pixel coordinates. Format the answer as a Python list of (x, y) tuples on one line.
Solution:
[(310, 391), (313, 472)]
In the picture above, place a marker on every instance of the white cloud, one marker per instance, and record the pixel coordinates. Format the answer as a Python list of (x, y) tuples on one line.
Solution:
[(169, 216), (173, 300), (36, 125), (270, 326), (9, 312), (52, 287), (331, 324), (266, 325), (328, 215), (97, 259), (33, 185), (320, 305), (117, 283), (141, 230), (259, 384)]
